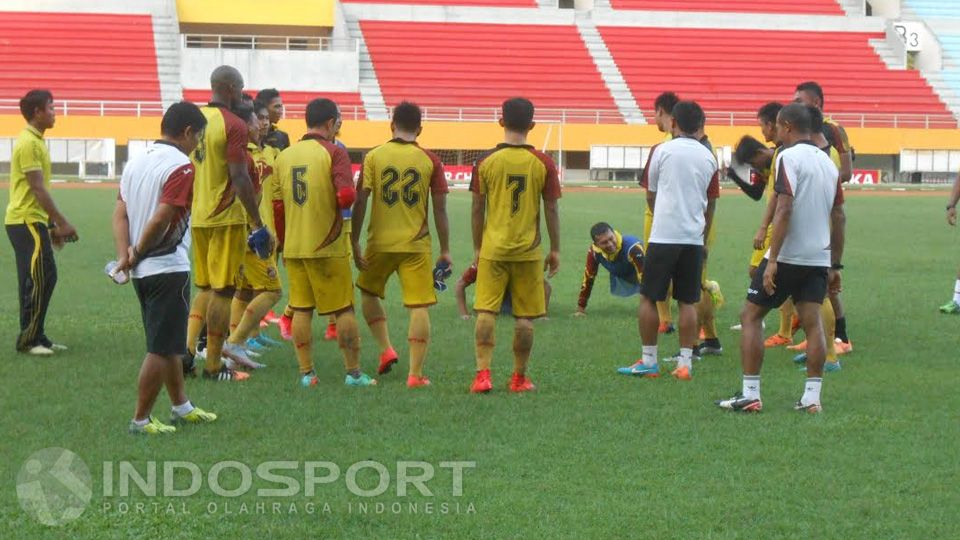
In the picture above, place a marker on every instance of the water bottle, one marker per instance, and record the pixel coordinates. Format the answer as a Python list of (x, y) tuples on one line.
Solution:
[(118, 276)]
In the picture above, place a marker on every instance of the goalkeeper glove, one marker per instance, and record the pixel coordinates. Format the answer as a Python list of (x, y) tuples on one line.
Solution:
[(259, 241)]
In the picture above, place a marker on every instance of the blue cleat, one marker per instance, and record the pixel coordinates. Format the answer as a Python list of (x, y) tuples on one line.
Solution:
[(255, 346), (832, 366), (267, 341), (640, 370), (362, 380), (800, 358)]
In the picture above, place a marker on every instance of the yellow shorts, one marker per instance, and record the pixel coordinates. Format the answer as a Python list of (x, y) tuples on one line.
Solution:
[(758, 254), (647, 225), (259, 274), (524, 280), (414, 269), (324, 284), (218, 255)]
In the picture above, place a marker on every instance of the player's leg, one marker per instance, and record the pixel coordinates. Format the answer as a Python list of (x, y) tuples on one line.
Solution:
[(663, 308), (241, 299), (687, 291), (330, 334), (707, 318), (953, 306), (201, 279), (301, 304), (27, 247), (492, 281), (526, 282), (416, 283), (332, 282), (261, 276), (844, 346), (48, 282), (657, 272), (225, 254), (809, 313), (372, 283), (784, 335)]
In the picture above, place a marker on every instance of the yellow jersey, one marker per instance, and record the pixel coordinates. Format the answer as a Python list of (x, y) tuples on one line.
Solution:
[(400, 177), (310, 173), (514, 178), (264, 160), (29, 154), (224, 141)]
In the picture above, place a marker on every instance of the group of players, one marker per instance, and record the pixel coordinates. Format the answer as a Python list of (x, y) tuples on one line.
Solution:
[(224, 182)]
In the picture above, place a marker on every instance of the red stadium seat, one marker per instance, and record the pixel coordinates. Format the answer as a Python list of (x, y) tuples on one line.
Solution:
[(351, 105), (809, 7), (479, 65), (79, 56)]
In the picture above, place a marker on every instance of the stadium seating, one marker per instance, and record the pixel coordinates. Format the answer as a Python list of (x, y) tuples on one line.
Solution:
[(477, 3), (809, 7), (479, 65), (739, 70), (351, 105), (79, 56), (951, 61), (933, 8)]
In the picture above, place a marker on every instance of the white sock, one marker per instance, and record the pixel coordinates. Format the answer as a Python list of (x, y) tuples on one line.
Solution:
[(649, 355), (686, 358), (811, 391), (751, 386), (956, 292), (143, 422), (183, 409)]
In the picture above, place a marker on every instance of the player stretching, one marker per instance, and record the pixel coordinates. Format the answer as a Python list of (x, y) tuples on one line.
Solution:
[(953, 307), (507, 185), (621, 255), (317, 184), (399, 178), (683, 186), (150, 225), (806, 248)]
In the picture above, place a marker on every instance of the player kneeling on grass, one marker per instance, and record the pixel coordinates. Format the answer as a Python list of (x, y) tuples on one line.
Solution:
[(399, 178), (621, 255), (507, 185), (317, 184), (151, 233), (803, 263), (683, 185)]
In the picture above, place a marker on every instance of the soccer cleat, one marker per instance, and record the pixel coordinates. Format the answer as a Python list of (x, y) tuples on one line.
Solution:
[(640, 370), (196, 416), (39, 350), (521, 383), (709, 349), (666, 328), (202, 353), (950, 308), (240, 356), (271, 317), (739, 403), (676, 357), (45, 341), (226, 375), (267, 341), (253, 345), (832, 366), (812, 408), (414, 381), (286, 328), (362, 380), (716, 296), (802, 346), (481, 383), (253, 354), (777, 340), (800, 358), (308, 379), (189, 364), (152, 427), (682, 374), (264, 324), (843, 347), (737, 327), (330, 334), (387, 359)]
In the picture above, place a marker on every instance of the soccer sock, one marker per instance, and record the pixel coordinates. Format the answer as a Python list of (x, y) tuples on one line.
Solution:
[(143, 422), (686, 358), (786, 320), (486, 323), (303, 340), (218, 320), (811, 391), (376, 319), (649, 355), (956, 292), (418, 337), (663, 309), (751, 386), (348, 337), (522, 345), (288, 312), (237, 307), (255, 311), (841, 329), (198, 315), (706, 316), (829, 320), (184, 408)]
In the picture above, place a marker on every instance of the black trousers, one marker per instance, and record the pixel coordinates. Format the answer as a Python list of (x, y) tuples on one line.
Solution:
[(36, 279)]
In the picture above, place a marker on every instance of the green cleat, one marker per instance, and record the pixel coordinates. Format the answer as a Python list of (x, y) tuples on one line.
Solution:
[(362, 380), (950, 308), (153, 427), (196, 416)]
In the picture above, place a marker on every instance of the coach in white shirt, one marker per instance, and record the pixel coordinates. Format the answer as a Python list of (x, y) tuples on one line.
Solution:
[(151, 230), (682, 191), (803, 261)]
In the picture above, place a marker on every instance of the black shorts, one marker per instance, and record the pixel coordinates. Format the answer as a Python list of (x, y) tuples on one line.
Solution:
[(680, 263), (165, 309), (800, 283)]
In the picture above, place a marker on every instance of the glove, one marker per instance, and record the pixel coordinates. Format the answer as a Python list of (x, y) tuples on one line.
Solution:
[(345, 197), (259, 242), (440, 273)]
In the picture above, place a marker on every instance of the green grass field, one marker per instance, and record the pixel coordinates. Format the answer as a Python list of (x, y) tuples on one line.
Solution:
[(590, 455)]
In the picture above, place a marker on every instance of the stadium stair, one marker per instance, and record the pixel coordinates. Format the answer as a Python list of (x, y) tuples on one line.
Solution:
[(611, 74), (370, 91), (166, 32), (947, 81), (932, 9)]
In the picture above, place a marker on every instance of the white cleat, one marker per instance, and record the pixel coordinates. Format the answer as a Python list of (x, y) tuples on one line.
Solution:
[(40, 350), (239, 356)]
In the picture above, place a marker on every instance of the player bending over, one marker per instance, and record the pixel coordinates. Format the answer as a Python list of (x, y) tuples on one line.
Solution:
[(508, 185), (151, 225)]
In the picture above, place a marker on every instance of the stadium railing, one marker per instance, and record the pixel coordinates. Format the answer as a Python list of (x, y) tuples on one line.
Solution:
[(282, 43)]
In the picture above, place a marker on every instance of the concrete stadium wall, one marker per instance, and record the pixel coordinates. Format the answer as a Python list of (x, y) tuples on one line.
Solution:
[(333, 71)]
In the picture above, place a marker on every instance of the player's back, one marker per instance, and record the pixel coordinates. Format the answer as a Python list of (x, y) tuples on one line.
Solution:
[(306, 173), (264, 161), (224, 140), (514, 178), (400, 177)]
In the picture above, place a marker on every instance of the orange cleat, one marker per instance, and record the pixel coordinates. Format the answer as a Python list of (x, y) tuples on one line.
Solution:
[(802, 346), (286, 327), (331, 333), (666, 328), (682, 374), (387, 359), (841, 347), (416, 382), (521, 383), (482, 383), (271, 317), (777, 340)]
